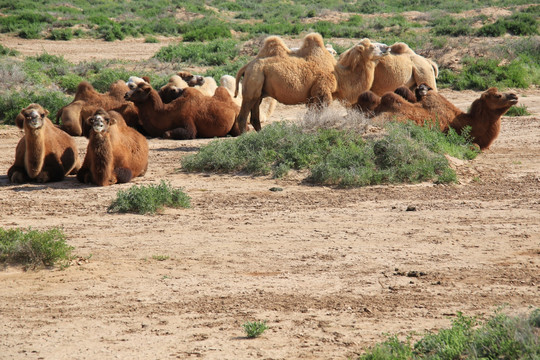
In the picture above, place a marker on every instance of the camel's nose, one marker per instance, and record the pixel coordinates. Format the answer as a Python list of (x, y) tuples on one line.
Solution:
[(512, 96)]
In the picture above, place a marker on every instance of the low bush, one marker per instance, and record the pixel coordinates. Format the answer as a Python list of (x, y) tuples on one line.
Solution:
[(149, 199), (213, 53), (12, 102), (408, 153), (33, 248), (500, 337)]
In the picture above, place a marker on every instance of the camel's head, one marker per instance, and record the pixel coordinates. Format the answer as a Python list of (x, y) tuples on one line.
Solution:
[(363, 52), (139, 94), (496, 100), (168, 93), (133, 81), (33, 117), (101, 121), (190, 79), (421, 91)]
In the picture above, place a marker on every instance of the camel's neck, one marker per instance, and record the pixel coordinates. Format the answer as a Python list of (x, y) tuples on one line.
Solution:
[(352, 81), (34, 155), (152, 114), (485, 123), (103, 162)]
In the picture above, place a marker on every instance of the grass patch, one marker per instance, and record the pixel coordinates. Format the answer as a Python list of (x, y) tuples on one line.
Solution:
[(149, 199), (520, 110), (13, 101), (407, 153), (500, 337), (481, 74), (254, 329), (213, 53), (33, 248)]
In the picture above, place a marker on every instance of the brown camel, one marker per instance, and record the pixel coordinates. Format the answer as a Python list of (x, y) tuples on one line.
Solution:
[(45, 153), (116, 153), (187, 117)]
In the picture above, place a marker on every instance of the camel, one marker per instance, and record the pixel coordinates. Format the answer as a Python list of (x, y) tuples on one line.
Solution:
[(133, 81), (484, 115), (87, 100), (268, 104), (403, 67), (183, 79), (309, 75), (187, 117), (45, 153), (116, 153)]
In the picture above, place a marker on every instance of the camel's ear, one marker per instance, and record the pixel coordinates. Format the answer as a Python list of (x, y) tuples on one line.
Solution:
[(19, 120), (146, 78), (112, 120), (45, 113)]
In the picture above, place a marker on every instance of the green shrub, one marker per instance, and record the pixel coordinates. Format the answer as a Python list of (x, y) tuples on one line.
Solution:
[(12, 102), (481, 74), (213, 53), (151, 40), (408, 153), (500, 337), (5, 51), (254, 329), (520, 110), (61, 34), (449, 26), (33, 247), (104, 78), (519, 24), (149, 199), (31, 31), (69, 82)]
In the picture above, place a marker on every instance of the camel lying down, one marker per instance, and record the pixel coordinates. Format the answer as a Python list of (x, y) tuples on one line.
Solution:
[(483, 117)]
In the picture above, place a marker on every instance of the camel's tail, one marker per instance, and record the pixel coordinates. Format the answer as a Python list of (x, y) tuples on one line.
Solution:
[(435, 67), (239, 75), (59, 114)]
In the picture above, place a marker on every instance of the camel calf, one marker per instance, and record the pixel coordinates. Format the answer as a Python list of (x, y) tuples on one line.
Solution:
[(116, 153), (45, 153)]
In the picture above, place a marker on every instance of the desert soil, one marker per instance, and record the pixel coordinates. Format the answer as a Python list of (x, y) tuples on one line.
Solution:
[(330, 270)]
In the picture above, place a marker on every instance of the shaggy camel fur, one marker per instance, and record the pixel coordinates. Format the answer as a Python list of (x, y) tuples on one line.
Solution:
[(133, 81), (403, 67), (310, 75), (189, 116), (87, 100), (45, 153), (484, 115), (368, 101), (268, 104), (183, 79), (116, 153)]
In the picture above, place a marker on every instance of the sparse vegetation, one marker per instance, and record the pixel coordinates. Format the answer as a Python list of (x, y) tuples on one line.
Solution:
[(407, 153), (254, 329), (500, 337), (33, 248), (520, 110), (149, 199)]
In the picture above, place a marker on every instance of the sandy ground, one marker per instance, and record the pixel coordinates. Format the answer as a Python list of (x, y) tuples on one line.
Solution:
[(330, 270)]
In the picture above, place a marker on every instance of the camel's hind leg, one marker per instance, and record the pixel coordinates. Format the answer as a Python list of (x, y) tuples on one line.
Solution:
[(245, 110), (256, 115)]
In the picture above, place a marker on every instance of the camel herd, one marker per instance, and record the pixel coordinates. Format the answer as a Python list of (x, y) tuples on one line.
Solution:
[(391, 82)]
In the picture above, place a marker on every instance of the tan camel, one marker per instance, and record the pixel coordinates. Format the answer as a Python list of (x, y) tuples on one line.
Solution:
[(309, 75), (403, 67)]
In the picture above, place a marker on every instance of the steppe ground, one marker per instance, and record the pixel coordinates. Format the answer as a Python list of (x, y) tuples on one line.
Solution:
[(330, 270)]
